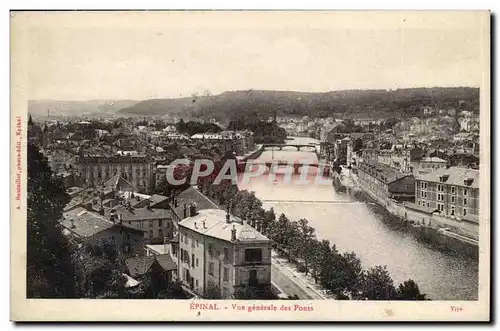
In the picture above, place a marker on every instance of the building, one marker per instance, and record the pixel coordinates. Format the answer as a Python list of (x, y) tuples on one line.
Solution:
[(156, 223), (220, 255), (157, 270), (453, 191), (86, 226), (428, 164), (96, 169), (387, 182), (180, 203)]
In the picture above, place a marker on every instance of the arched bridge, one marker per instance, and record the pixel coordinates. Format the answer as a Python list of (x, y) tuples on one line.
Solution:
[(325, 167), (297, 146)]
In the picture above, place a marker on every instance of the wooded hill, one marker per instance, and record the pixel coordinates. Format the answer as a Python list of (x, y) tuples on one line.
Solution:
[(350, 103)]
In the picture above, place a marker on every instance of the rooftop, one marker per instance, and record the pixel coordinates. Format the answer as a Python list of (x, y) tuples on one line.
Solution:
[(189, 195), (453, 176), (433, 159), (381, 171), (138, 214), (212, 222), (86, 223)]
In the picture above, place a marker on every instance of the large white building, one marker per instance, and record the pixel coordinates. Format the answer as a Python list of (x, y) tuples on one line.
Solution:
[(219, 255)]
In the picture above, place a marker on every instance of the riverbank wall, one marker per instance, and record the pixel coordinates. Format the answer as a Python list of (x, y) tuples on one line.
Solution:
[(433, 230)]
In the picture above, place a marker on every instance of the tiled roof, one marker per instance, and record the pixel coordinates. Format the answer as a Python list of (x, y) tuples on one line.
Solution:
[(382, 172), (119, 183), (138, 214), (453, 176), (166, 262), (157, 198), (212, 222), (139, 265), (191, 195), (86, 223)]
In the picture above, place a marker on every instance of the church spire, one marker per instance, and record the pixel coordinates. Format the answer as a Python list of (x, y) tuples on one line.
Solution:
[(30, 121)]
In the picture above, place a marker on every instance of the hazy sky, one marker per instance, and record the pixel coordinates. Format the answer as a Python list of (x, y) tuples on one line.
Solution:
[(140, 61)]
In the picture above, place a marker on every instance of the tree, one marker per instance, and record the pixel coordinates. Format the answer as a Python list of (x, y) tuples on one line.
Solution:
[(378, 284), (98, 269), (409, 290), (306, 236), (50, 272)]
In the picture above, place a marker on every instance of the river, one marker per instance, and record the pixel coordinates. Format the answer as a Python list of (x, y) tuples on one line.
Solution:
[(355, 226)]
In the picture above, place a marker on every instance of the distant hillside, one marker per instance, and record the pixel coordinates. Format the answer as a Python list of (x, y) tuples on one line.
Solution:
[(39, 108), (349, 103)]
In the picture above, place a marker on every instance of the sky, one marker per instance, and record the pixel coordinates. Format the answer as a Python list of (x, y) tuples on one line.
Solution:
[(74, 58)]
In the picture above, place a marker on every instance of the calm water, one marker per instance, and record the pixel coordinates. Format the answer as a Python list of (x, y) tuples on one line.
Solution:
[(353, 226)]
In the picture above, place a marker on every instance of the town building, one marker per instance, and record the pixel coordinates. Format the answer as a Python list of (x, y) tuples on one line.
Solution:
[(95, 169), (220, 255), (84, 226), (429, 164), (453, 191), (386, 182)]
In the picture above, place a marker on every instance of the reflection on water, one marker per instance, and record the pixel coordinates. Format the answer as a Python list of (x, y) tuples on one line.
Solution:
[(354, 226)]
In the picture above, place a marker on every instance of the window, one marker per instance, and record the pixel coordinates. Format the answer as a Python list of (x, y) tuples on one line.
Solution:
[(192, 243), (197, 243), (196, 262), (453, 188), (210, 249), (466, 191), (226, 254), (253, 255), (150, 233), (151, 224), (192, 260), (425, 194), (421, 194), (465, 201), (452, 199), (226, 274), (197, 283), (186, 240), (452, 211), (440, 206), (440, 187), (465, 211), (160, 222), (211, 268), (225, 292), (160, 233), (440, 197)]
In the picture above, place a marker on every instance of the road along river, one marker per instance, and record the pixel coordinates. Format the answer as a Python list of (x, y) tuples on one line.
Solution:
[(355, 226)]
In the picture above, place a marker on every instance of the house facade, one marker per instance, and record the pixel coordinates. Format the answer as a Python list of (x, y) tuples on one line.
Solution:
[(219, 255), (453, 191)]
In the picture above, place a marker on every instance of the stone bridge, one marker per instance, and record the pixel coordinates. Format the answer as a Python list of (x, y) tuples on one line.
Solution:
[(296, 165)]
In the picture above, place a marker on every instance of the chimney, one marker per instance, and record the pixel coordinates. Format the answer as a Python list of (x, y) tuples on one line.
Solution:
[(73, 223), (192, 209), (195, 226), (185, 211), (204, 225), (233, 233), (228, 217)]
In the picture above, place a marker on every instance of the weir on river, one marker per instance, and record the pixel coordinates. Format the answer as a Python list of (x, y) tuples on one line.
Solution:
[(356, 226)]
